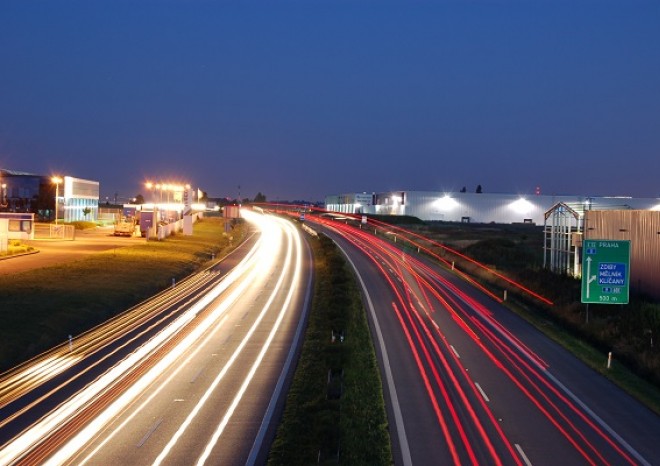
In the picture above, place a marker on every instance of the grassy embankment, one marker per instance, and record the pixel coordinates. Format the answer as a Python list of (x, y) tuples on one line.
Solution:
[(517, 251), (40, 308), (335, 410)]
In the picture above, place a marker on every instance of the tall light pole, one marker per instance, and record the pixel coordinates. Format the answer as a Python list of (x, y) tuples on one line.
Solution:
[(57, 180), (150, 186)]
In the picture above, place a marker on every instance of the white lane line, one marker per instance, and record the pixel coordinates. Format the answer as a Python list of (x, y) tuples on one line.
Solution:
[(199, 372), (149, 432), (455, 352), (481, 391), (293, 237), (398, 417), (267, 265), (600, 421), (153, 394), (523, 455), (277, 393)]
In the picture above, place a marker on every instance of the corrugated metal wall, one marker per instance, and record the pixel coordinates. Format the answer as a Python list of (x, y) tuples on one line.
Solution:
[(642, 228)]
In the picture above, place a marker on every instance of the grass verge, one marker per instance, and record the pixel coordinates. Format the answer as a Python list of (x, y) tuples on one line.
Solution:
[(335, 411), (40, 308)]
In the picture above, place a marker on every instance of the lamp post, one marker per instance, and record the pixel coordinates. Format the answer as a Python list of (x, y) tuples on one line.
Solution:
[(57, 180), (150, 186)]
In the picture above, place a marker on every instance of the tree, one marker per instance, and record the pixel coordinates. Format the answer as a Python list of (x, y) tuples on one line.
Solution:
[(139, 199), (478, 191), (260, 197), (463, 189), (86, 211)]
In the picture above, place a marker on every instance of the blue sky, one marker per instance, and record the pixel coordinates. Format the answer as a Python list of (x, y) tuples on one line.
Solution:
[(299, 99)]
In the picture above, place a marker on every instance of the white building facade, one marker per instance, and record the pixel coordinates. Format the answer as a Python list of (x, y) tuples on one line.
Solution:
[(476, 207), (79, 200)]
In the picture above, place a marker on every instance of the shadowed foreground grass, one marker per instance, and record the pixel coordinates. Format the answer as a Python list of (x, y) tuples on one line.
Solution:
[(40, 308)]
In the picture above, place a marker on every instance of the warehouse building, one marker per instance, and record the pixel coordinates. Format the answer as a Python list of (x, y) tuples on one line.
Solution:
[(567, 221), (476, 207)]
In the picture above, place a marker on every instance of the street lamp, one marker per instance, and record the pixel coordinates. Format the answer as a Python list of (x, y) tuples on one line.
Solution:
[(57, 180), (150, 186)]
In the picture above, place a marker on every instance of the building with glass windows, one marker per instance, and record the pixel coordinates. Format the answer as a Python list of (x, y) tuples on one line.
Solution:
[(77, 198), (19, 191)]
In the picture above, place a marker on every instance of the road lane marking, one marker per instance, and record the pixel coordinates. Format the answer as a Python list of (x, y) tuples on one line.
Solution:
[(481, 391), (272, 405), (523, 455), (398, 417), (598, 420), (197, 375), (294, 249), (149, 432), (455, 352)]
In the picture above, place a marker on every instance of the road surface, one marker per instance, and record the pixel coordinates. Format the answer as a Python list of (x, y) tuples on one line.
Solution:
[(204, 388), (468, 382)]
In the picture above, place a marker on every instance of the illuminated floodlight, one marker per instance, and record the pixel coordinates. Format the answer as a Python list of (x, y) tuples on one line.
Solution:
[(446, 203), (521, 206)]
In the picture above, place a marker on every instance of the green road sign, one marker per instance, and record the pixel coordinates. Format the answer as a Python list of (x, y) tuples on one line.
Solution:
[(605, 271)]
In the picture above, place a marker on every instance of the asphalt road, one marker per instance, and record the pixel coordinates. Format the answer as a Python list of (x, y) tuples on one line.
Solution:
[(215, 402), (54, 252), (207, 386), (471, 382)]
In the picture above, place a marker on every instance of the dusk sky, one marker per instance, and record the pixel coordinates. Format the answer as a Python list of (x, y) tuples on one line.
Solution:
[(301, 99)]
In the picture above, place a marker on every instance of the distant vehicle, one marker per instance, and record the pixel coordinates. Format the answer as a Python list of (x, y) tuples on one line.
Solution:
[(125, 228)]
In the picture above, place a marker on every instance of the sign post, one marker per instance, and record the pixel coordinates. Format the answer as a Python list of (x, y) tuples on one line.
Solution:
[(605, 271)]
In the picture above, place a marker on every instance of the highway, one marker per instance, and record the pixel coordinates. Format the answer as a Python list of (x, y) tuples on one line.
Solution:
[(466, 381), (194, 376)]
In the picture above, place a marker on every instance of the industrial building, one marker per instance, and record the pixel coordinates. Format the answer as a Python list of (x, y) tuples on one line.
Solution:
[(476, 207), (567, 221), (67, 198)]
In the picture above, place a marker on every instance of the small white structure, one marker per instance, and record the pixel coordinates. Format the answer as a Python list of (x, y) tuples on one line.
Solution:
[(15, 226)]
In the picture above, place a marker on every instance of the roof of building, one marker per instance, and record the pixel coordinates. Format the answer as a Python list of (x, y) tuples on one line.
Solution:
[(4, 171)]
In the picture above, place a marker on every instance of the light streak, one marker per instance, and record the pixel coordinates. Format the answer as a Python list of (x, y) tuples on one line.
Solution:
[(285, 306), (520, 364), (200, 404), (67, 410)]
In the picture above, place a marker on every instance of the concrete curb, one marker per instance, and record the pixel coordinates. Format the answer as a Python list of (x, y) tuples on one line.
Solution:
[(13, 256)]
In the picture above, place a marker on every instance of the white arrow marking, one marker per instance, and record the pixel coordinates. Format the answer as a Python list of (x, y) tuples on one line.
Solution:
[(589, 278)]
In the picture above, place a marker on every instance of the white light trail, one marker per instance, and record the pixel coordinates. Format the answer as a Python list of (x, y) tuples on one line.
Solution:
[(63, 413), (283, 310), (184, 426)]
